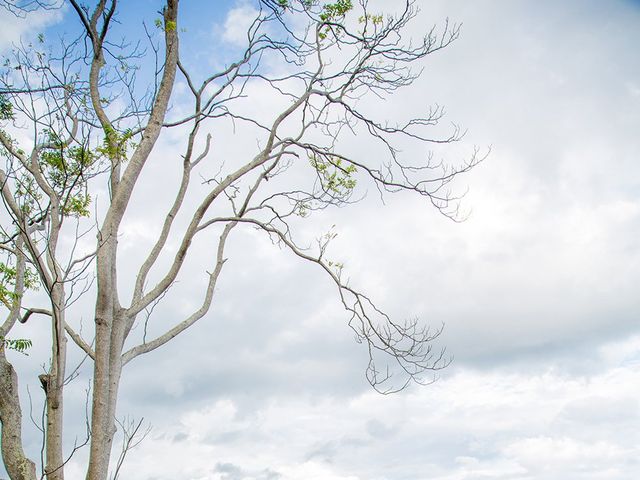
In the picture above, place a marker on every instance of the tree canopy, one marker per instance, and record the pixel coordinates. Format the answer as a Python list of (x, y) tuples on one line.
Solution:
[(82, 120)]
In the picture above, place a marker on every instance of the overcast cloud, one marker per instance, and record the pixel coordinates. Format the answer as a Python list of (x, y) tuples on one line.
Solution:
[(538, 289)]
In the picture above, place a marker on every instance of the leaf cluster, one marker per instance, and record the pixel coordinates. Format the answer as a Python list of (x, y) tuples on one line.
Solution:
[(8, 276), (336, 177), (335, 11), (20, 345), (115, 145), (168, 26), (288, 4), (6, 109), (65, 168)]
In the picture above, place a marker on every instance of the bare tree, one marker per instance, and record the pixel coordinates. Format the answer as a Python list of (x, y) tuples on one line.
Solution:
[(90, 125)]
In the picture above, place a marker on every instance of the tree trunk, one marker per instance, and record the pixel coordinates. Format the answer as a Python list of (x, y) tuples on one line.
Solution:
[(55, 460), (101, 430), (108, 365), (53, 383), (18, 466), (107, 379)]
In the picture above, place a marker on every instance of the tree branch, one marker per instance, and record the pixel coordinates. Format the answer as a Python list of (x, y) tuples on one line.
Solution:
[(197, 315)]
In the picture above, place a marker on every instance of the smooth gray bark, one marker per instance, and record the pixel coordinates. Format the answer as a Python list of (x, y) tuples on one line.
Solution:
[(111, 323)]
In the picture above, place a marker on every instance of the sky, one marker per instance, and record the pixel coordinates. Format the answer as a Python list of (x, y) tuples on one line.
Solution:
[(537, 289)]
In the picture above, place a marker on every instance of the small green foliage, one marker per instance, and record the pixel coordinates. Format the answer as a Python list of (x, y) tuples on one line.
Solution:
[(28, 194), (20, 345), (335, 11), (65, 168), (302, 209), (170, 26), (284, 4), (8, 281), (337, 267), (41, 38), (336, 177), (6, 109), (375, 19), (31, 279), (7, 277), (332, 13), (115, 145), (77, 205), (66, 161)]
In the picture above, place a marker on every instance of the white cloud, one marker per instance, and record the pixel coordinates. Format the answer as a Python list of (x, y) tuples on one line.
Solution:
[(546, 457), (238, 22), (625, 352), (16, 27), (469, 425)]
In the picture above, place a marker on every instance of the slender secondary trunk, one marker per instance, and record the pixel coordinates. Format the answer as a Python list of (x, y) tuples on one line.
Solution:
[(18, 466), (54, 468), (53, 383)]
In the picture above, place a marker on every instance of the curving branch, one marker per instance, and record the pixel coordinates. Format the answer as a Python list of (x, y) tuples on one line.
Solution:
[(410, 345), (195, 316), (72, 333)]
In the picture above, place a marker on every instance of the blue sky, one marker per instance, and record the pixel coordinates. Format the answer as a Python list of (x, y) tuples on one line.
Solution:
[(537, 289)]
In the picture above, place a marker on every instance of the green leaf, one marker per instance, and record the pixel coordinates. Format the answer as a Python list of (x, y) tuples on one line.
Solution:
[(20, 345), (336, 177), (6, 109)]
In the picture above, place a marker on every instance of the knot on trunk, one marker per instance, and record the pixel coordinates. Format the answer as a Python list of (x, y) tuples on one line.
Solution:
[(44, 382)]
